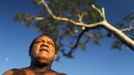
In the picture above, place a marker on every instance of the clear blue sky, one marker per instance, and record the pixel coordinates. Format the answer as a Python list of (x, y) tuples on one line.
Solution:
[(15, 39)]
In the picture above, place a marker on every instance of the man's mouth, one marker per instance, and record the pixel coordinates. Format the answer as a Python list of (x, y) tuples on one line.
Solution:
[(44, 50)]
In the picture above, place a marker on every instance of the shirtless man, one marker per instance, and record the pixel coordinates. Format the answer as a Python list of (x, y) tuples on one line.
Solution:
[(42, 51)]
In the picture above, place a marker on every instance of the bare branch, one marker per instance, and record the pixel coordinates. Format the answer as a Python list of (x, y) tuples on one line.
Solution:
[(118, 33), (70, 20), (127, 29), (80, 16), (79, 37), (101, 12)]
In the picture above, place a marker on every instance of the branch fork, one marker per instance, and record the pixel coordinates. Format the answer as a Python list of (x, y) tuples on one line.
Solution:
[(104, 23)]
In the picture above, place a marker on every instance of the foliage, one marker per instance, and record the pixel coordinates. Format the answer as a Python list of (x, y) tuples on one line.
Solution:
[(68, 36)]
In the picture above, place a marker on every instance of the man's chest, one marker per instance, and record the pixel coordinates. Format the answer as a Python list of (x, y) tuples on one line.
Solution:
[(31, 72), (38, 73)]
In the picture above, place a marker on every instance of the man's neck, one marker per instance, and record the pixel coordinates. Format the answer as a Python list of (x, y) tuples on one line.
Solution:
[(40, 67)]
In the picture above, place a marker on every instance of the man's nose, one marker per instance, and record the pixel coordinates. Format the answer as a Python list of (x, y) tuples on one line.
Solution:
[(44, 45)]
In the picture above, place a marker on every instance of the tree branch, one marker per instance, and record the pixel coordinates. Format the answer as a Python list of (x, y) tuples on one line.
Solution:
[(70, 20), (127, 29), (77, 40), (118, 33)]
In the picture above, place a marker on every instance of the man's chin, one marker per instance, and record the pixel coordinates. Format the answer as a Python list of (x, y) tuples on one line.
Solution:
[(43, 61)]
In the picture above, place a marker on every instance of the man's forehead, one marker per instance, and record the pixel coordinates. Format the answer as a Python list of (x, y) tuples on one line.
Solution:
[(44, 37)]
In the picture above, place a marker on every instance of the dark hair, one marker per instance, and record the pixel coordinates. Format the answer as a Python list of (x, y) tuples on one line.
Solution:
[(31, 45)]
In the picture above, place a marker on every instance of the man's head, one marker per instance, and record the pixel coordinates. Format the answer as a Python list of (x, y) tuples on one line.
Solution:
[(43, 49)]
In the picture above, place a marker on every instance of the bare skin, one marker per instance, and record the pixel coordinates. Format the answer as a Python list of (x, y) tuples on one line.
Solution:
[(42, 54)]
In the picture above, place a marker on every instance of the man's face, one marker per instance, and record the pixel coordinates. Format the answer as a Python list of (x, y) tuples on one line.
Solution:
[(43, 50)]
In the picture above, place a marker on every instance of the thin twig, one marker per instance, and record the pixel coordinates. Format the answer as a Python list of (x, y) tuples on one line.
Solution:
[(127, 29)]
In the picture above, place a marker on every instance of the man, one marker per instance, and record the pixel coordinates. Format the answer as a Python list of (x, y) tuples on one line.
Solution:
[(42, 51)]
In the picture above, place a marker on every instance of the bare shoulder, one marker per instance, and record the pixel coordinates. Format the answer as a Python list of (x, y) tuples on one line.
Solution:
[(9, 72), (21, 71)]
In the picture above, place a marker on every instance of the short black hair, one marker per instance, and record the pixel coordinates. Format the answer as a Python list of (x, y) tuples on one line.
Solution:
[(32, 43)]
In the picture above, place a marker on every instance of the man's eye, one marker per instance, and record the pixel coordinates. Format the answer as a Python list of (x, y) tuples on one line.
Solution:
[(37, 42), (50, 43)]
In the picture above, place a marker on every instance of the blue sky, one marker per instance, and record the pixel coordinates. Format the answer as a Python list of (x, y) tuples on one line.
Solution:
[(15, 39)]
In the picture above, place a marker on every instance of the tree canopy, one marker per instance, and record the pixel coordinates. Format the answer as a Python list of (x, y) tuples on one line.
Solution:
[(75, 23)]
